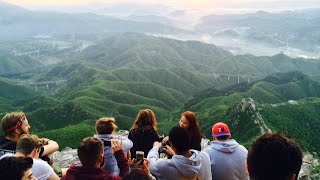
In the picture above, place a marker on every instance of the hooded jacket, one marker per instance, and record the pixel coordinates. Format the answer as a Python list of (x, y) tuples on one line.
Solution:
[(228, 160), (94, 173), (110, 161), (179, 167), (88, 173)]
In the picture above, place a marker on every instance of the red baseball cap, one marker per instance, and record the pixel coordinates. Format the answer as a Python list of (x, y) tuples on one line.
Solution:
[(220, 129)]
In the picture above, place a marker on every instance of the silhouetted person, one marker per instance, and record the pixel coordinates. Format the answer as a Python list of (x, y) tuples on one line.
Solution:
[(274, 156), (136, 174)]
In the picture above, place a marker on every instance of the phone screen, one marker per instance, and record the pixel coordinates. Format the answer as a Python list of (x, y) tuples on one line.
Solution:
[(139, 155)]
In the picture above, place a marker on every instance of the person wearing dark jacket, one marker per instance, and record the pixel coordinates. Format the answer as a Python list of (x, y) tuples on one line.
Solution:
[(91, 155), (189, 121), (143, 132), (15, 124)]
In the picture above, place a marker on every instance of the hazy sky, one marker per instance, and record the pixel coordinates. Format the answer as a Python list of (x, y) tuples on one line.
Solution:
[(190, 4)]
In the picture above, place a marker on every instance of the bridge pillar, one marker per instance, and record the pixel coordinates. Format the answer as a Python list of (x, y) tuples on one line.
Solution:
[(36, 87), (47, 86), (238, 79), (228, 78)]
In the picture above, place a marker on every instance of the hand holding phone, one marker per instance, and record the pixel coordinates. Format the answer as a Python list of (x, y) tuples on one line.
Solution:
[(139, 156)]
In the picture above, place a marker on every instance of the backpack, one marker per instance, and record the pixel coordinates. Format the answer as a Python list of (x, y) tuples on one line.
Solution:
[(4, 151)]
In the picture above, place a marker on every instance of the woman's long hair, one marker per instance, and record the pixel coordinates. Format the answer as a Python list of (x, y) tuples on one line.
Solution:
[(194, 128), (145, 118)]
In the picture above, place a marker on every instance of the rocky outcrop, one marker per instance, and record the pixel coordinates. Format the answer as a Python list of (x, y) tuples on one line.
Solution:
[(248, 106), (309, 163), (66, 158)]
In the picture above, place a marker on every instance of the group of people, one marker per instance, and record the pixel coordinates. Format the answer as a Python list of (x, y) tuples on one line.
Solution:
[(138, 156)]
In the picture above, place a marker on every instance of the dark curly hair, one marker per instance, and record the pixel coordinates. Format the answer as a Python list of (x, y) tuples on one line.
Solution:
[(274, 156), (136, 174), (14, 167)]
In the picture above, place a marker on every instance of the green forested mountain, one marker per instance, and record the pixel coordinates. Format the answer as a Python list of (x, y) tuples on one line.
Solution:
[(119, 75), (137, 51), (287, 103), (10, 64)]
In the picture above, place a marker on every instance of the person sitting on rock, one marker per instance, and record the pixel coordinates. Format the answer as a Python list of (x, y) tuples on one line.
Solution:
[(29, 146), (184, 164), (16, 168), (189, 121), (13, 126), (227, 156), (105, 129), (143, 132), (91, 155), (274, 156)]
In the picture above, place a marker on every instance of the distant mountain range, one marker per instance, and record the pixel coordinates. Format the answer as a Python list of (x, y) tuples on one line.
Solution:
[(67, 70), (296, 33), (16, 22), (294, 29)]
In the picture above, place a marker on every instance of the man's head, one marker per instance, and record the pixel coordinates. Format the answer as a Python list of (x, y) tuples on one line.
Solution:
[(14, 124), (274, 156), (29, 145), (105, 125), (136, 174), (16, 168), (221, 131), (90, 152), (180, 139)]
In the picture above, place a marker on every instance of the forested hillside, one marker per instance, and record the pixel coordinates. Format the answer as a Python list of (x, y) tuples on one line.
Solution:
[(287, 103), (120, 74)]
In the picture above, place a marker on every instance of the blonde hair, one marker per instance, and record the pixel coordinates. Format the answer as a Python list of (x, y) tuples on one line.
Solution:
[(106, 125), (145, 118)]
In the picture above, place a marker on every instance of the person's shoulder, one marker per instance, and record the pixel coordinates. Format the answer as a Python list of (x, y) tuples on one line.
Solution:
[(103, 174), (6, 155), (7, 144), (208, 148), (3, 140), (41, 163), (242, 148)]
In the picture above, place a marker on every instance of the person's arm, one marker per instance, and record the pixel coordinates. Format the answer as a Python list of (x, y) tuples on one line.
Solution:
[(53, 176), (126, 144), (154, 160), (122, 161), (49, 147), (169, 151)]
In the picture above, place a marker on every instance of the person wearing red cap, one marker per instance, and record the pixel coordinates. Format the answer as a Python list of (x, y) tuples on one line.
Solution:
[(227, 157)]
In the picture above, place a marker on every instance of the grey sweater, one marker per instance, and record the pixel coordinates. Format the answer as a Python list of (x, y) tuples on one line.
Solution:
[(228, 160), (179, 167)]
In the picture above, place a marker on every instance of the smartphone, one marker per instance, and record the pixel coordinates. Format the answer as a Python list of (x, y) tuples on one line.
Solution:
[(139, 156), (107, 142)]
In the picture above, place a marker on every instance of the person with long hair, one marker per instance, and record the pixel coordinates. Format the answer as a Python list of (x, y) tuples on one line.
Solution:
[(189, 121), (143, 132)]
